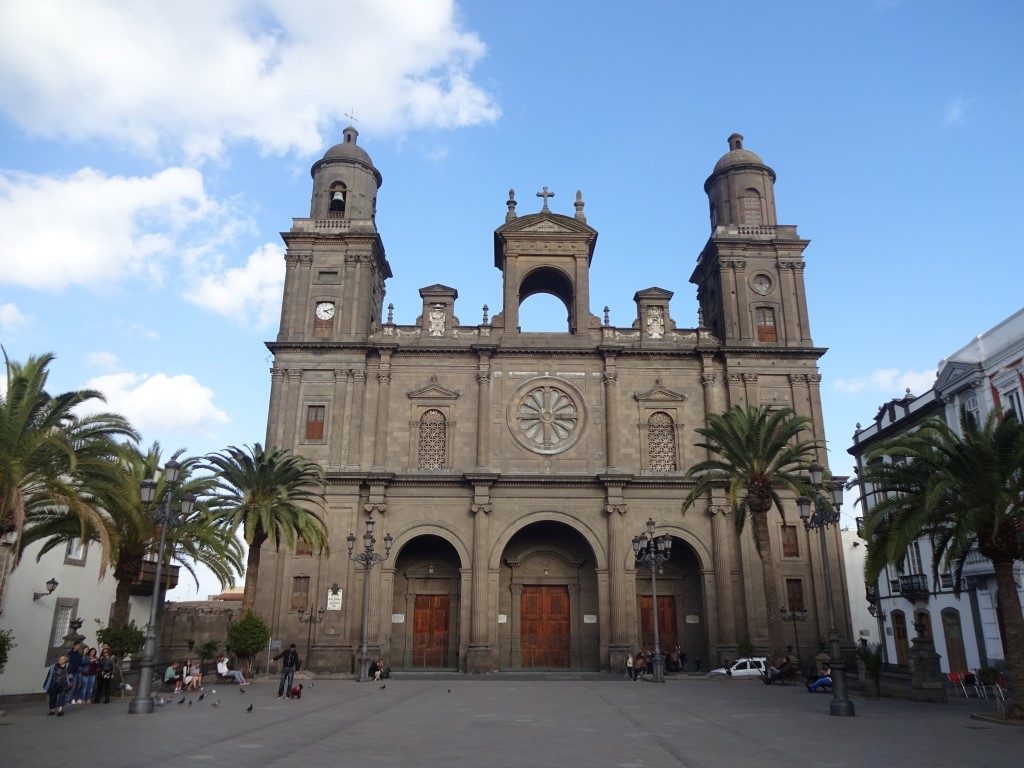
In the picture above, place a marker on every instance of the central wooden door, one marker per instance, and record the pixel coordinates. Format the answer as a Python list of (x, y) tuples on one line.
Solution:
[(667, 634), (430, 631), (544, 618)]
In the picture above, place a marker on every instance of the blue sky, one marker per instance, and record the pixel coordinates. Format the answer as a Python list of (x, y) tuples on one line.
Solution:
[(150, 153)]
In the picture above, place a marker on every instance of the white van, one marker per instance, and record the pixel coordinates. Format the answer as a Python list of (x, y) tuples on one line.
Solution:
[(754, 666)]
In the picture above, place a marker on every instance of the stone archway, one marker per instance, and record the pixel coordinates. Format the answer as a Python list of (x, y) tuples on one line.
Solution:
[(426, 600), (548, 600), (681, 611)]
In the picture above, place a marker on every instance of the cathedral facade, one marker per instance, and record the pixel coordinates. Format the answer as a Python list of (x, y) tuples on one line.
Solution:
[(510, 469)]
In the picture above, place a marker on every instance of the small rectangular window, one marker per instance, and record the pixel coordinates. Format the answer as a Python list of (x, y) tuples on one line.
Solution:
[(300, 592), (765, 318), (328, 276), (1012, 404), (790, 541), (75, 552), (795, 594), (315, 422)]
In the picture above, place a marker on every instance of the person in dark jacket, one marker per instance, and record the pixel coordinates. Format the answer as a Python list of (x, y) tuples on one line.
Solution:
[(56, 684), (106, 674), (289, 663)]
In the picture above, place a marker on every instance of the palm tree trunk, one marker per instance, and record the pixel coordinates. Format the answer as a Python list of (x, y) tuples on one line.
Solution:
[(126, 572), (776, 648), (1013, 623), (120, 607), (252, 572)]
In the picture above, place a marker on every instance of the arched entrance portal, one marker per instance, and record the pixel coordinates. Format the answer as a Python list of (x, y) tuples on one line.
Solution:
[(547, 605), (681, 615), (427, 590)]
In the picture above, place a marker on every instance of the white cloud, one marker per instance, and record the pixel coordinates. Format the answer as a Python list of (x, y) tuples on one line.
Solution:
[(92, 229), (955, 112), (106, 360), (249, 295), (11, 318), (158, 402), (888, 380), (194, 75)]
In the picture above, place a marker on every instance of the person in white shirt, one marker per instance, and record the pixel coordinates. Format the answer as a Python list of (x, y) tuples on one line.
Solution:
[(234, 674)]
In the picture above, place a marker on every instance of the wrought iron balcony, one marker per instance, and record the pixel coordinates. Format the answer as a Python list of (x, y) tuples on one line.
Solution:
[(871, 591), (915, 586), (144, 586)]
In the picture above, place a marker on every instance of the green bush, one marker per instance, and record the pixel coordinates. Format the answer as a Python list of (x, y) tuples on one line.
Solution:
[(208, 649), (6, 643), (871, 655), (745, 649), (123, 639), (248, 636)]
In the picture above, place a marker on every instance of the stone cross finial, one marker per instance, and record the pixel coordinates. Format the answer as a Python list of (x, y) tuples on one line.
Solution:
[(511, 215), (700, 317), (579, 207), (607, 318), (485, 314), (391, 314), (545, 194)]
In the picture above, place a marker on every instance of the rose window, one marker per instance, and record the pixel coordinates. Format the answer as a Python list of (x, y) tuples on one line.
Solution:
[(547, 419)]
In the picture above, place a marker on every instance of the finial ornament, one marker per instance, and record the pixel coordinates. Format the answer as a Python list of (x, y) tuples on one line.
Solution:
[(485, 315), (545, 194), (511, 215), (607, 319), (700, 317), (391, 314), (579, 207)]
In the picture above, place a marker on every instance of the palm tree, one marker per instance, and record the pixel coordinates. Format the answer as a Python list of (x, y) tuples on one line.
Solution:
[(962, 490), (49, 455), (757, 451), (201, 538), (268, 494)]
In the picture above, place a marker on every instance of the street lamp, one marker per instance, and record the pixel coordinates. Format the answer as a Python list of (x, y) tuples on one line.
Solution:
[(826, 513), (315, 617), (794, 616), (653, 551), (367, 558), (142, 704)]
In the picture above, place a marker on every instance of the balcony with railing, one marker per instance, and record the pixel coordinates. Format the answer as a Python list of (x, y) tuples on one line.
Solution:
[(914, 586), (144, 586)]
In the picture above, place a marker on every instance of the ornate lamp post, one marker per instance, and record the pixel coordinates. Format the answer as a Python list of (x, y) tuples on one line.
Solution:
[(826, 513), (794, 616), (315, 617), (142, 704), (367, 558), (653, 551)]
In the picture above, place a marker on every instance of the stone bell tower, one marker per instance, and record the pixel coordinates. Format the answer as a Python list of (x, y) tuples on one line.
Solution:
[(750, 275)]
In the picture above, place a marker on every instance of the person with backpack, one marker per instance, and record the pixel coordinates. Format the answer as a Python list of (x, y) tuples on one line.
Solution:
[(58, 680)]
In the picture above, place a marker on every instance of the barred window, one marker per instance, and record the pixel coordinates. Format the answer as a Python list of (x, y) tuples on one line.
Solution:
[(795, 594), (790, 541), (751, 207), (300, 592), (433, 438), (661, 442)]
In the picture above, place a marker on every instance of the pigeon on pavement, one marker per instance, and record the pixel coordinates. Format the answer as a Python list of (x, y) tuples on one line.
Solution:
[(249, 708), (183, 699)]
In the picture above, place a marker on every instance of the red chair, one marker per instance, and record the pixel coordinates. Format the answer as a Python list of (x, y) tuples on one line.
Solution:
[(956, 679)]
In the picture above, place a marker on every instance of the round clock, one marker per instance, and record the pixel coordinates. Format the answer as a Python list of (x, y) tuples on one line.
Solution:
[(762, 284), (325, 310)]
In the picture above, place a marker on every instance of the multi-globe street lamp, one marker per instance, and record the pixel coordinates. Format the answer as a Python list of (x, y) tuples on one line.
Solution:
[(653, 551), (315, 617), (142, 704), (826, 513), (794, 616), (367, 558)]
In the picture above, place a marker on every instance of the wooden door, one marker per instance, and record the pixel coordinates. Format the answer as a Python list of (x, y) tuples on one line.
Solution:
[(956, 656), (430, 631), (667, 636), (899, 635), (544, 627)]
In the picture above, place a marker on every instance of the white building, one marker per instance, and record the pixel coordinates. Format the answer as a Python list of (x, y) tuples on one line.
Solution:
[(986, 374), (40, 620), (854, 553)]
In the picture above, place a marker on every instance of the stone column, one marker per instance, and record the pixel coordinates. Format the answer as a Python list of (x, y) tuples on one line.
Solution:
[(790, 316), (277, 377), (483, 411), (348, 296), (708, 379), (742, 299), (611, 426), (302, 311), (380, 439), (478, 655), (729, 299), (354, 266), (619, 646), (339, 410), (814, 399), (355, 454), (292, 415), (925, 670), (801, 299), (735, 389), (721, 537), (291, 261), (750, 389)]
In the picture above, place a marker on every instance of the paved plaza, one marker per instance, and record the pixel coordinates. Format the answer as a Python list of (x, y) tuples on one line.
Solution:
[(466, 722)]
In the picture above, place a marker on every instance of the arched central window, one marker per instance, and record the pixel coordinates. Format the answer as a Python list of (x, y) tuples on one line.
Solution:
[(432, 440), (337, 197), (661, 442), (752, 207), (545, 314), (764, 317)]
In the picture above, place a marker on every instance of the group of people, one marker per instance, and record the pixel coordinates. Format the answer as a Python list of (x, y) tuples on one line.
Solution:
[(786, 669), (82, 676), (187, 675), (636, 666)]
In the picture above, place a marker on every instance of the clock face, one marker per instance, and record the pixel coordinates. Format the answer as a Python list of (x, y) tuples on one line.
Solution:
[(325, 310), (762, 284)]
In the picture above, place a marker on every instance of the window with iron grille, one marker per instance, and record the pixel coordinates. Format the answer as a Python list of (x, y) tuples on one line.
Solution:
[(300, 592), (661, 442), (315, 422), (795, 594), (765, 320), (752, 207), (432, 440), (790, 541)]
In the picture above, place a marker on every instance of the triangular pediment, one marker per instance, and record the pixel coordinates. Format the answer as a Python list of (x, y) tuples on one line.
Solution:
[(546, 223), (438, 290), (653, 293), (659, 393), (953, 372), (434, 391)]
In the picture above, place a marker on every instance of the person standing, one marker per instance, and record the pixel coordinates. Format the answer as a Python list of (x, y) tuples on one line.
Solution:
[(74, 658), (629, 666), (56, 684), (289, 663), (105, 663), (87, 672)]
